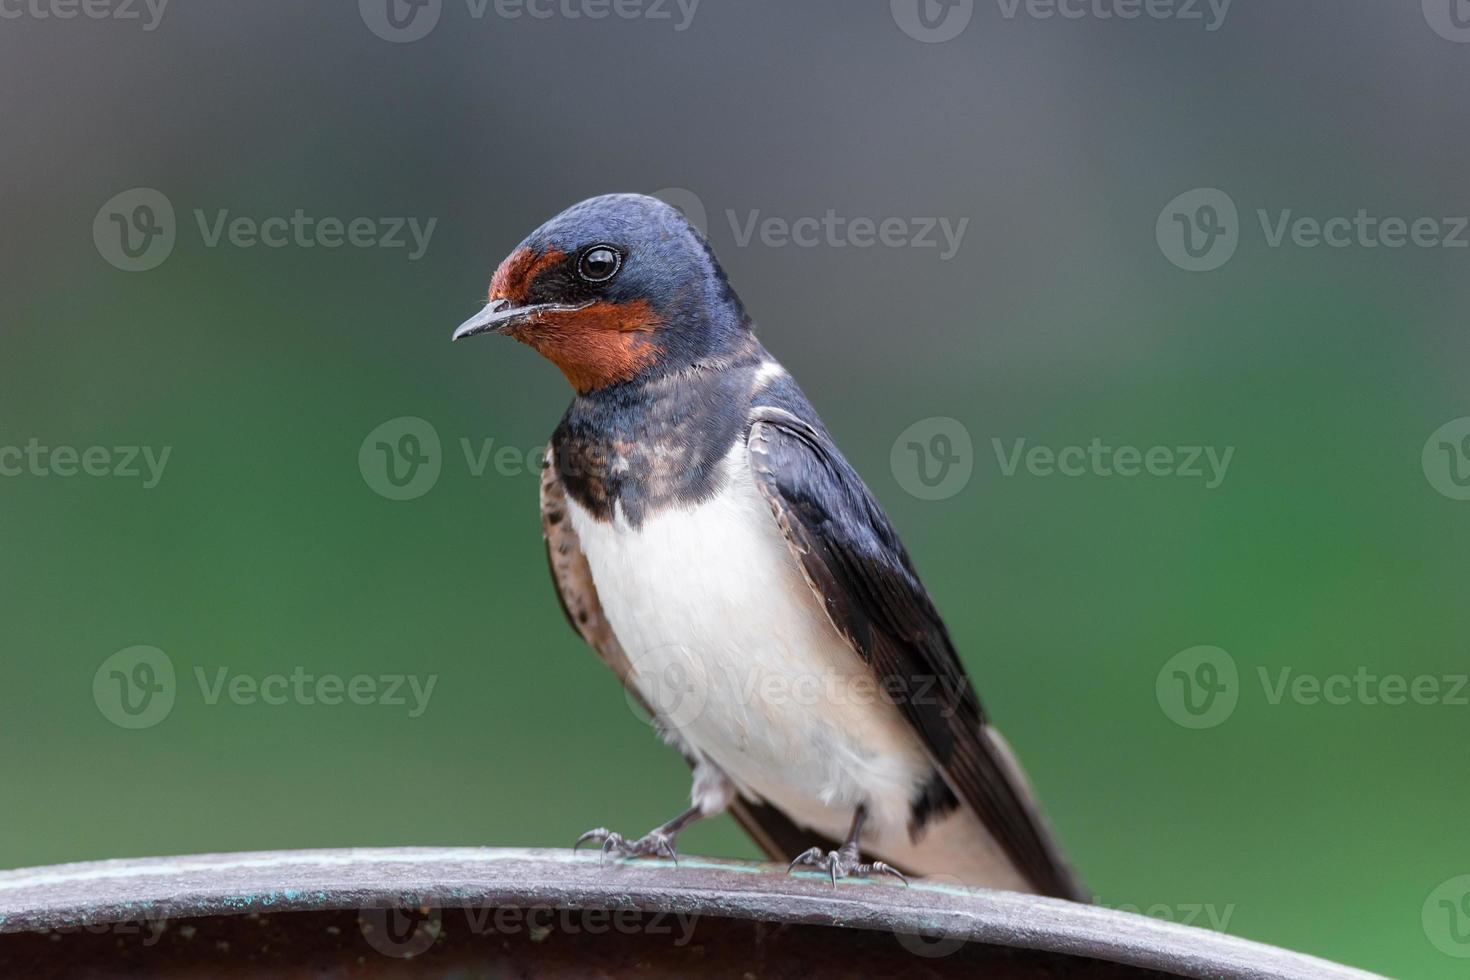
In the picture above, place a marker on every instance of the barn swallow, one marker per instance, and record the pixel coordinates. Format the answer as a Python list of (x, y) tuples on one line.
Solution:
[(712, 545)]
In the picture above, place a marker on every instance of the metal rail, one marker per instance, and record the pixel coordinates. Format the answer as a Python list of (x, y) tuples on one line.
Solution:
[(512, 900)]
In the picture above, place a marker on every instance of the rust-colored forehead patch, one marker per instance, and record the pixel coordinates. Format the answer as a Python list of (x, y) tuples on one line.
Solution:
[(513, 279)]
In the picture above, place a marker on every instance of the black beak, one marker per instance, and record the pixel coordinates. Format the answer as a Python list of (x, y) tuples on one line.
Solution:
[(496, 314), (500, 314)]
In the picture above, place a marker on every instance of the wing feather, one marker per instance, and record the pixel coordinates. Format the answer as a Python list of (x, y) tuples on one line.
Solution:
[(858, 568)]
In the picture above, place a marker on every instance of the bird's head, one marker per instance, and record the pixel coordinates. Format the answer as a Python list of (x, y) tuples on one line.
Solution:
[(616, 289)]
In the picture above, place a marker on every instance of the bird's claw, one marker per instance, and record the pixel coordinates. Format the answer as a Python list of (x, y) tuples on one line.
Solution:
[(655, 843), (844, 864)]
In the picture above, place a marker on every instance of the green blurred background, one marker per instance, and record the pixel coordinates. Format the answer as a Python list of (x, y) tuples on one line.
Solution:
[(1327, 548)]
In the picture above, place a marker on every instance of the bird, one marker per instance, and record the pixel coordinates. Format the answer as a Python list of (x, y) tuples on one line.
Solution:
[(713, 546)]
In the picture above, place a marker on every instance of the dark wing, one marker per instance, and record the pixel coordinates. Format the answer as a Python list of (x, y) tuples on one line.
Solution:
[(777, 836), (862, 575)]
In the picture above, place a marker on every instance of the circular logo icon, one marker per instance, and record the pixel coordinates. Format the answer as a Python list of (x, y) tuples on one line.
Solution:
[(1447, 459), (400, 21), (932, 945), (668, 681), (400, 933), (1446, 917), (1450, 19), (135, 688), (932, 21), (1199, 230), (689, 204), (401, 458), (135, 230), (1198, 687), (934, 458)]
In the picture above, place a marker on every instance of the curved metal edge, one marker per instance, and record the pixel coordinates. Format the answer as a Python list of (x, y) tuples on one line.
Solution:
[(187, 887)]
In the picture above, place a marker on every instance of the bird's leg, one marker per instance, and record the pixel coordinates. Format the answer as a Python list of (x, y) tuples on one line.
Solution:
[(658, 842), (846, 861), (710, 795)]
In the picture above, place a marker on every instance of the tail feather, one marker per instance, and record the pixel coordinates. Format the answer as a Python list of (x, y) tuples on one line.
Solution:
[(955, 848)]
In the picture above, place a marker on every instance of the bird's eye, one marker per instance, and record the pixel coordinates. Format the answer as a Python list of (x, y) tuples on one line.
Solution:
[(599, 263)]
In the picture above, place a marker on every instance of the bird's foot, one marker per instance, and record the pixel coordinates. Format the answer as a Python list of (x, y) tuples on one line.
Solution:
[(844, 863), (656, 843)]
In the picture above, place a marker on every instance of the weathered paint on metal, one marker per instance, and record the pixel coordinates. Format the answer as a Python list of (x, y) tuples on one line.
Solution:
[(727, 897)]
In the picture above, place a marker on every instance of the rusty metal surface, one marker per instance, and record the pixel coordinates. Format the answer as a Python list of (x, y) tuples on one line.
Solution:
[(480, 904), (324, 945)]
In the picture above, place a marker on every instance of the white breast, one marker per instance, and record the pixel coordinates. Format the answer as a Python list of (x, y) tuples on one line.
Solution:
[(731, 647)]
